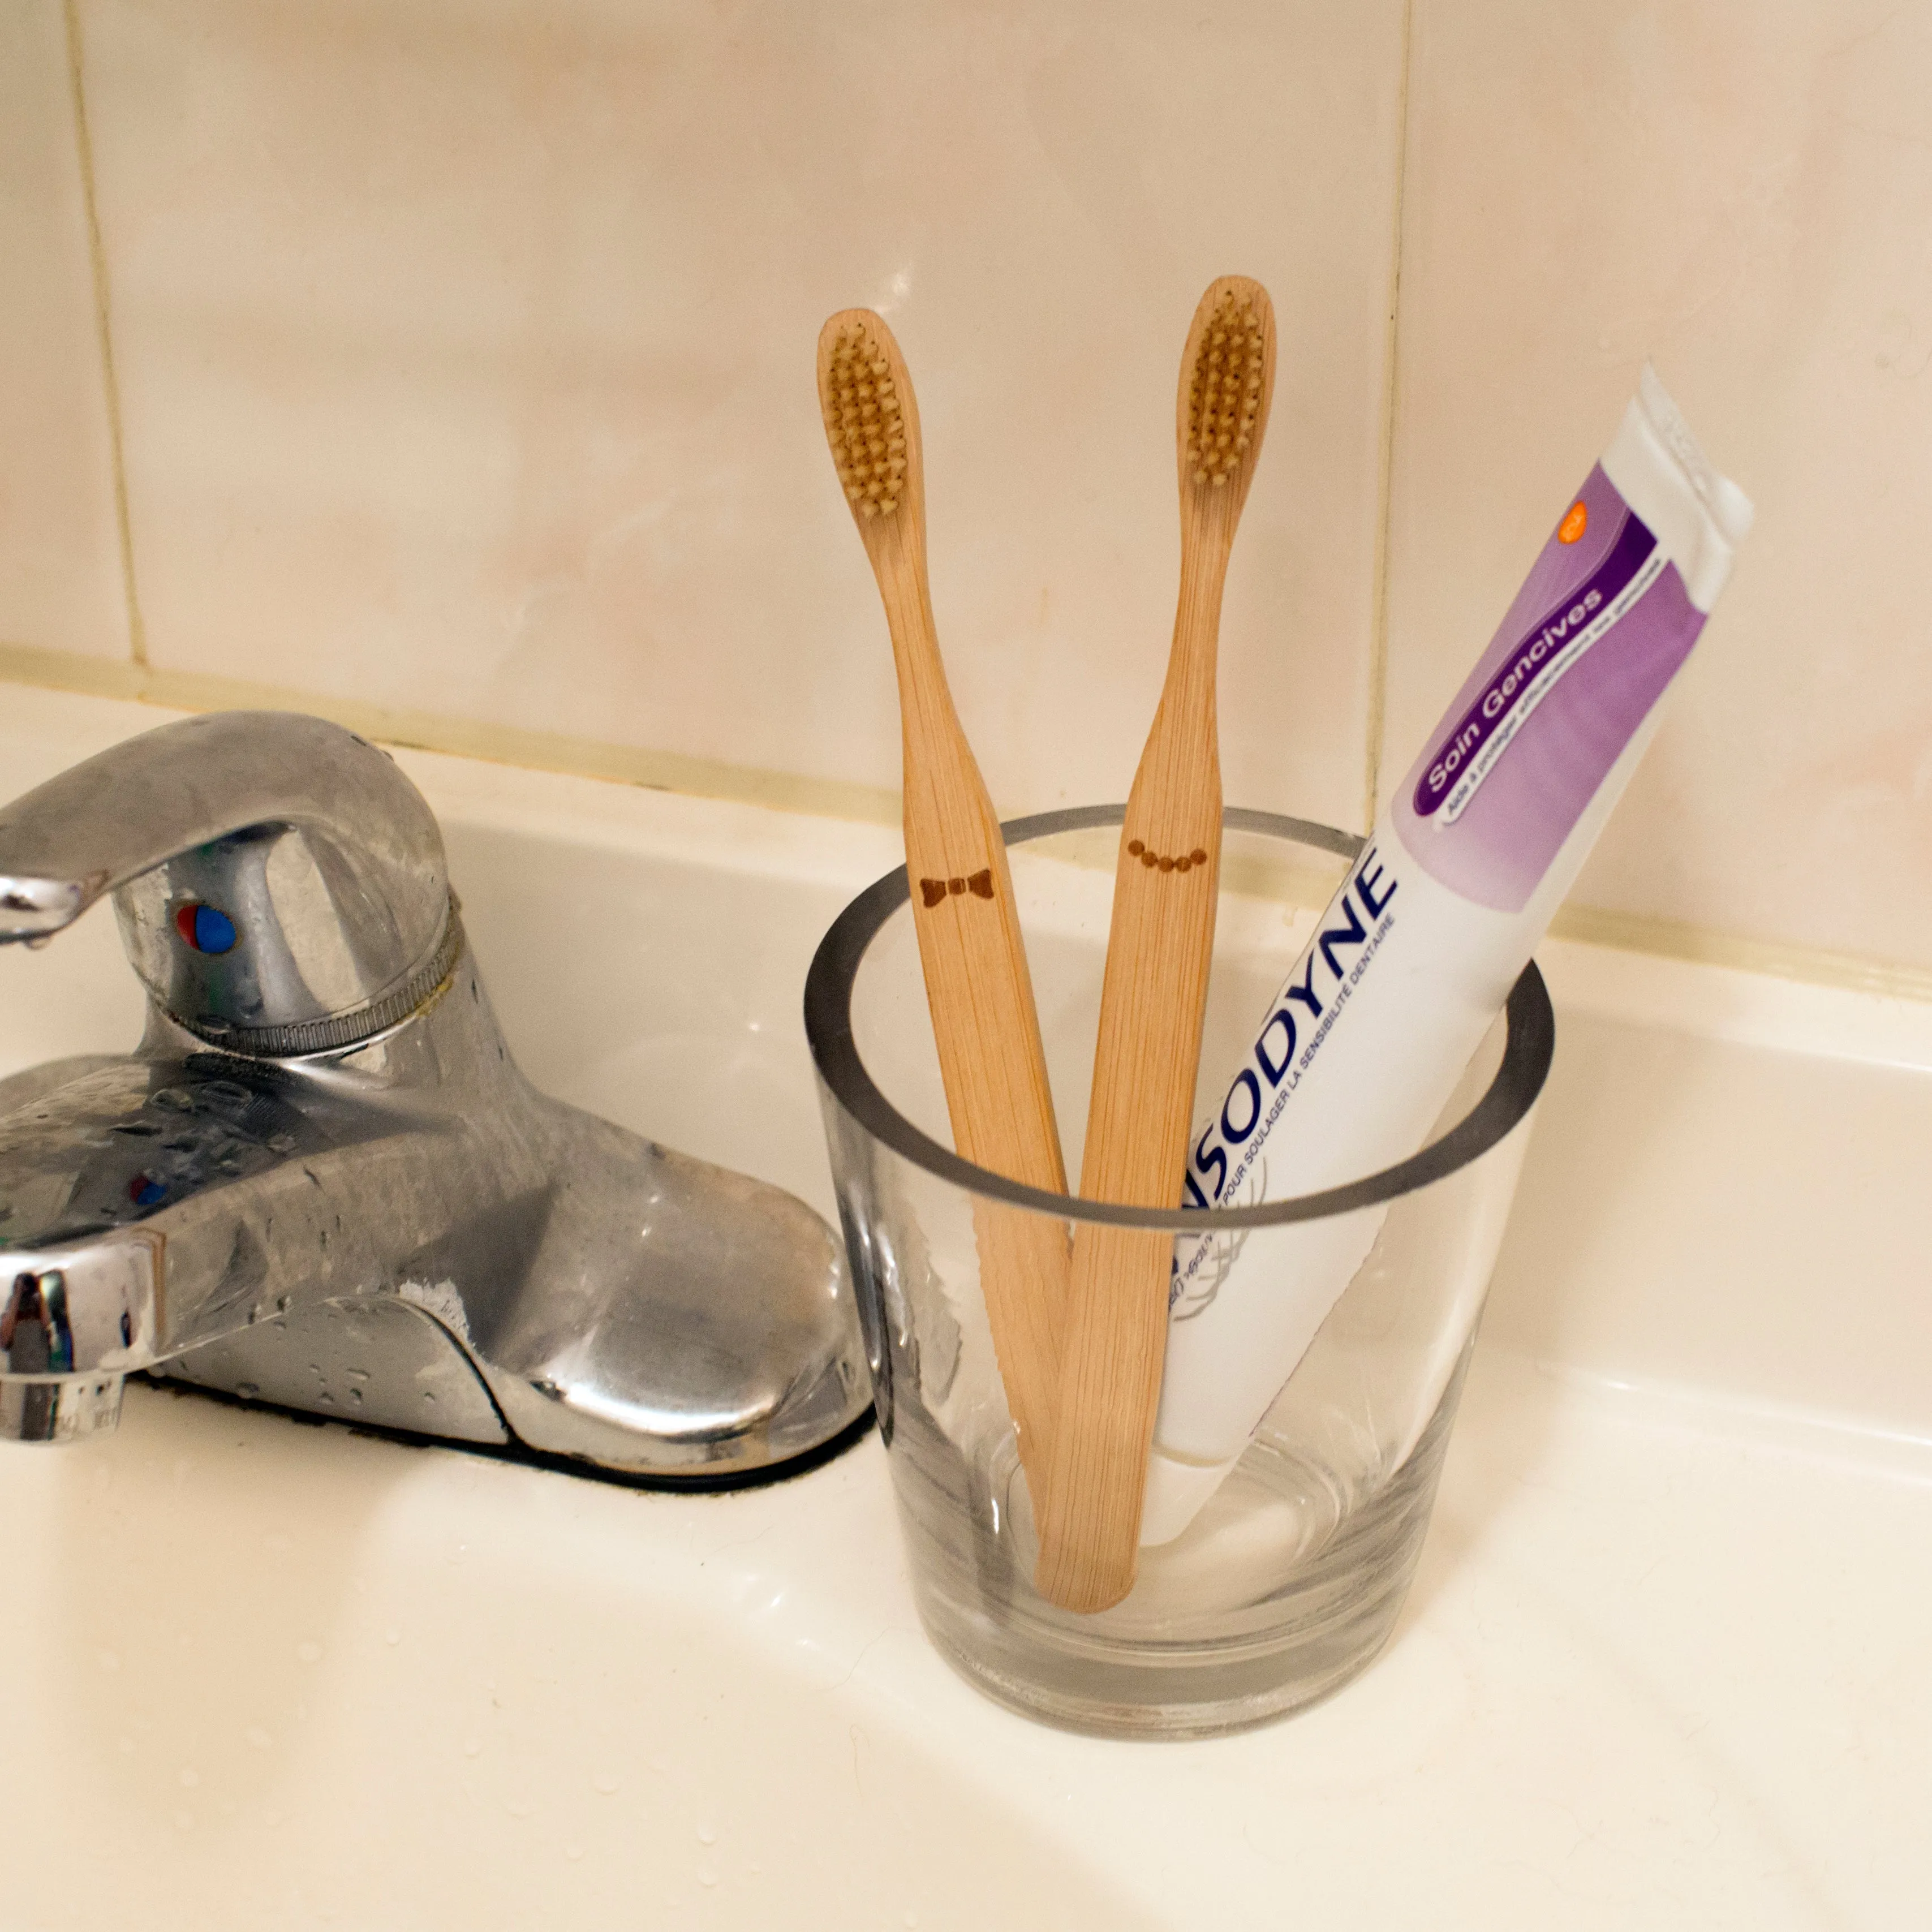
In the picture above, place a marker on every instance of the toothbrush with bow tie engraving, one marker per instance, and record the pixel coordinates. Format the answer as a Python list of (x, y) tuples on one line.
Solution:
[(978, 987)]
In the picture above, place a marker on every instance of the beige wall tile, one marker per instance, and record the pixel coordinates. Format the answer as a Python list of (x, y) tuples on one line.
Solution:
[(60, 586), (466, 356), (1743, 192)]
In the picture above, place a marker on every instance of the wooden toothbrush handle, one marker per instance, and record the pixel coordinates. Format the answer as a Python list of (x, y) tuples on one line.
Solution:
[(1152, 998), (994, 1067), (978, 989), (1114, 1345), (1115, 1340)]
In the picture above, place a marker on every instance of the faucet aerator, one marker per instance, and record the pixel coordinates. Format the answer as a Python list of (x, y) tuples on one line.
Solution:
[(58, 1409)]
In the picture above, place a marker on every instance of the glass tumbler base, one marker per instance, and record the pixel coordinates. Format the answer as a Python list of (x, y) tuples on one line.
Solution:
[(1107, 1677)]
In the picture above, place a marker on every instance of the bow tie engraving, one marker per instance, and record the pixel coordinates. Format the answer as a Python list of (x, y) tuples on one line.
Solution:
[(980, 885)]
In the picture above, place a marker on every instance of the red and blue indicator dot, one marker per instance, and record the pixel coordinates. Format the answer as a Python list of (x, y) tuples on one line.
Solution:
[(206, 928)]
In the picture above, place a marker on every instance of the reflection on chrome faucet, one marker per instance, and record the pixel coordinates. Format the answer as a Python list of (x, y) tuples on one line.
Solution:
[(34, 1331), (321, 1181), (38, 1341)]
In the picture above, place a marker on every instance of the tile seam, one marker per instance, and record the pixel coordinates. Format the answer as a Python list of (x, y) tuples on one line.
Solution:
[(1378, 695), (137, 635), (832, 798), (459, 737), (1678, 939)]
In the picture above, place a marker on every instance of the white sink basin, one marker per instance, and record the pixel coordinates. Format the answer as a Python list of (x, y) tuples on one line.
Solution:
[(1664, 1665)]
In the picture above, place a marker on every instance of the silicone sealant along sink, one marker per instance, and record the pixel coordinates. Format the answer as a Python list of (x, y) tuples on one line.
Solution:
[(1663, 1664)]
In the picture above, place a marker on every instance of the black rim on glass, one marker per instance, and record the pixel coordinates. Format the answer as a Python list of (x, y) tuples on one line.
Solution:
[(1512, 1091)]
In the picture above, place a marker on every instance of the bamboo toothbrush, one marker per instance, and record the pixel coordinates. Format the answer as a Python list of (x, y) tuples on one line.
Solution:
[(977, 982), (1155, 988)]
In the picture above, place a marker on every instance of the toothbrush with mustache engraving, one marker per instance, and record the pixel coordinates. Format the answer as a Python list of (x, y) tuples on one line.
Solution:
[(1155, 989)]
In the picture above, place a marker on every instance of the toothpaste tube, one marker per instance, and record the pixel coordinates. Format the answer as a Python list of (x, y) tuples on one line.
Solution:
[(1417, 952)]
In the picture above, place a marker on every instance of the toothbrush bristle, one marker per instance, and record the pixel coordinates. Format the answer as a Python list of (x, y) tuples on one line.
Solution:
[(1224, 394), (865, 423)]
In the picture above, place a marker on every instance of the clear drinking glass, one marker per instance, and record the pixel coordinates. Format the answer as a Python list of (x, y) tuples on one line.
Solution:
[(1292, 1577)]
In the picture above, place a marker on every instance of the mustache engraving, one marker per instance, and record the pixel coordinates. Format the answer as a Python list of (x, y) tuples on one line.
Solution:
[(1186, 861)]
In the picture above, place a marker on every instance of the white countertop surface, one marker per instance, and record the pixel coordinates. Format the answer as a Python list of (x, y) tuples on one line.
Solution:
[(1664, 1664), (300, 1678)]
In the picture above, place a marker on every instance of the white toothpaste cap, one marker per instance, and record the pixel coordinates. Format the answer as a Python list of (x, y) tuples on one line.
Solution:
[(1176, 1491), (1656, 465)]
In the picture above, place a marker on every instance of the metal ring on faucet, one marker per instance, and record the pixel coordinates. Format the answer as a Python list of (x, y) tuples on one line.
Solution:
[(340, 1032)]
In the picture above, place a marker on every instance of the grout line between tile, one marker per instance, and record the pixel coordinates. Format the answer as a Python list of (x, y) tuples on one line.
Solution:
[(1677, 939), (833, 798), (461, 737), (1385, 462), (137, 634)]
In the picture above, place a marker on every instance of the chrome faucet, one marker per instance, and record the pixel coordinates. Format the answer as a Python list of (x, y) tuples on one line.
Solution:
[(321, 1182)]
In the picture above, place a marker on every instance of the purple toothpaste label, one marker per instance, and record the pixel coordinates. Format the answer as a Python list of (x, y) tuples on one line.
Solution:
[(1468, 751), (1601, 627)]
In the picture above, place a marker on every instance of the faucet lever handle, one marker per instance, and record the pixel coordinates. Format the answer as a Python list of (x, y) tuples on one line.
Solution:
[(280, 886)]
